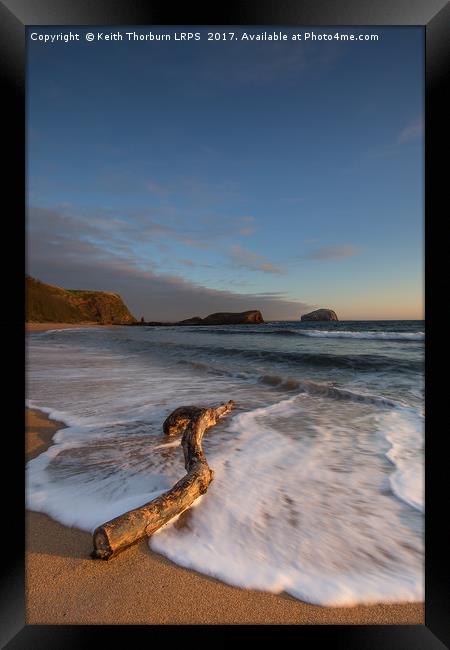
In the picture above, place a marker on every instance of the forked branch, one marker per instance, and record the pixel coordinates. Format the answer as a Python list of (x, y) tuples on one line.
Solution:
[(119, 533)]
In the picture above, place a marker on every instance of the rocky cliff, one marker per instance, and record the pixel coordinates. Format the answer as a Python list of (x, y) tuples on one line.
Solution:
[(320, 314), (48, 303)]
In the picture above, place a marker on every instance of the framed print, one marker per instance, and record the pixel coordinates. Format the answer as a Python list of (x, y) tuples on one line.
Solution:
[(234, 321)]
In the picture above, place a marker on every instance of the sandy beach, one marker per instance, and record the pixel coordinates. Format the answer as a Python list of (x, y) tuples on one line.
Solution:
[(64, 586), (42, 327)]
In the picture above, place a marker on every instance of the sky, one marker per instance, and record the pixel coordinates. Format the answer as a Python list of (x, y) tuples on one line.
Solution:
[(201, 176)]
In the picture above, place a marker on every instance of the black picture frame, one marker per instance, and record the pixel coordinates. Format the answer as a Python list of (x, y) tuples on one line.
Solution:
[(434, 17)]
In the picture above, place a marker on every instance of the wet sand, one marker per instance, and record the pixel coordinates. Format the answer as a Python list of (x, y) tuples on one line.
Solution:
[(64, 586)]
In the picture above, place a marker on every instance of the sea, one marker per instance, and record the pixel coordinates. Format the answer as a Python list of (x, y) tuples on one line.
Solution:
[(319, 470)]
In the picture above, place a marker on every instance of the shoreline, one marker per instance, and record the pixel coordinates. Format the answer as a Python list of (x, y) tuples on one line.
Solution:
[(44, 327), (65, 586)]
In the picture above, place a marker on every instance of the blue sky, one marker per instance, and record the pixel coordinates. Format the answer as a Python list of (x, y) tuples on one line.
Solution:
[(205, 176)]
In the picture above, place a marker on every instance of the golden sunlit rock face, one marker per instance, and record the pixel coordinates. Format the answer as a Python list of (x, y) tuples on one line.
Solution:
[(51, 304)]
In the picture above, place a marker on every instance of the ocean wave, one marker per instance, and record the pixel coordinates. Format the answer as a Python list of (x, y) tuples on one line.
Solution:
[(261, 525), (282, 466), (300, 386), (198, 365), (325, 359), (319, 389), (403, 430), (262, 330), (376, 336), (67, 330)]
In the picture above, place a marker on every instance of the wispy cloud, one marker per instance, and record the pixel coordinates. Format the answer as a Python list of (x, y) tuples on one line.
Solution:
[(156, 226), (157, 188), (244, 258), (246, 225), (59, 252), (333, 253), (411, 131), (194, 242), (221, 226)]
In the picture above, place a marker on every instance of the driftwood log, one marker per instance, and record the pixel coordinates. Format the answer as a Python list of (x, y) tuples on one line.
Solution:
[(119, 533)]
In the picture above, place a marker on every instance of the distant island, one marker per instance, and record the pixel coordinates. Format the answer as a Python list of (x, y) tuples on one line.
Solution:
[(252, 316), (46, 303), (320, 314)]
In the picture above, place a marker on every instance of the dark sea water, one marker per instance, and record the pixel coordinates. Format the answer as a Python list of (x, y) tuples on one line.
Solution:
[(318, 486)]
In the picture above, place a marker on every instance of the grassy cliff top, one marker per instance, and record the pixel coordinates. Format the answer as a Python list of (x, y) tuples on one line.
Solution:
[(52, 304)]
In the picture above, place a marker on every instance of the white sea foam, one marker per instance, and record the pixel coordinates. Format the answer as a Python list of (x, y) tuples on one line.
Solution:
[(85, 479), (378, 336), (66, 329), (304, 499), (403, 429), (285, 514)]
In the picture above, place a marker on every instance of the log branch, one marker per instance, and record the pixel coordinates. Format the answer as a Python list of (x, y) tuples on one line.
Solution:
[(114, 536)]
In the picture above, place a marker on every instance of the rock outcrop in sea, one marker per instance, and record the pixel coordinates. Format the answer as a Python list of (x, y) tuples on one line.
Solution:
[(320, 314), (226, 318)]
